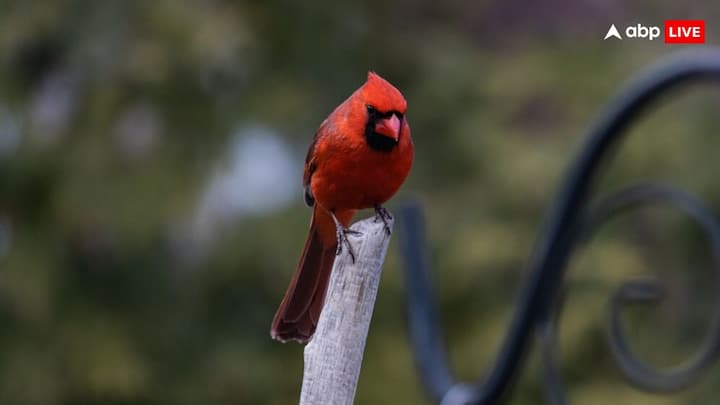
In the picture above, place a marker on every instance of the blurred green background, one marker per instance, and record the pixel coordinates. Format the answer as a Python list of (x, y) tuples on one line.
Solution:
[(150, 200)]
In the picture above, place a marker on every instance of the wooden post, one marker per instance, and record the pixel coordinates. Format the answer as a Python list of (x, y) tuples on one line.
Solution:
[(334, 355)]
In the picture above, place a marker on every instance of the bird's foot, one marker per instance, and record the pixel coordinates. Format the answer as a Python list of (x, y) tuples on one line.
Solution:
[(342, 232), (342, 238), (384, 215)]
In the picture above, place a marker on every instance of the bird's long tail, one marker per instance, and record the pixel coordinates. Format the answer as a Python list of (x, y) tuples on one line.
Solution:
[(299, 311)]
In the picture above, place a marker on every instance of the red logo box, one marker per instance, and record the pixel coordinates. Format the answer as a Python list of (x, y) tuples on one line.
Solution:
[(684, 31)]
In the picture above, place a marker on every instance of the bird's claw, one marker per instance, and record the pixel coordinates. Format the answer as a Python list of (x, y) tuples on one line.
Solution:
[(342, 238), (384, 215)]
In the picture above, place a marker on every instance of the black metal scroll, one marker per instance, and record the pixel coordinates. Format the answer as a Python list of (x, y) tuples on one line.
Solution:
[(568, 218)]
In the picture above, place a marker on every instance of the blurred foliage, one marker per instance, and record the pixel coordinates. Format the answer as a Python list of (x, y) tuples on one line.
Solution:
[(115, 116)]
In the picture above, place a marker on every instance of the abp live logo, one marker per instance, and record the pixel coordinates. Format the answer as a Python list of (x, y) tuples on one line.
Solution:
[(676, 32), (684, 31)]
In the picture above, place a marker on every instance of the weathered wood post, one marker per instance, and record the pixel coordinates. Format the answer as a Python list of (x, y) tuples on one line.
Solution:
[(334, 355)]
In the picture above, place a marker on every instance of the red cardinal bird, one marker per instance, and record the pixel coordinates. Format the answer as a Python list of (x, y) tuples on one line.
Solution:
[(359, 158)]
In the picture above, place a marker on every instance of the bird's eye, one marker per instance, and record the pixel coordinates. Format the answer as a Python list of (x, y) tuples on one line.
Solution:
[(370, 109)]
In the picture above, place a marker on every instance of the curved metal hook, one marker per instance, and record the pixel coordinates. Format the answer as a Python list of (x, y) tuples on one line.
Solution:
[(553, 247), (635, 370)]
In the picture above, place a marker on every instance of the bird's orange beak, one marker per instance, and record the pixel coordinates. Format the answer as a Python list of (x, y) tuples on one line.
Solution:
[(389, 127)]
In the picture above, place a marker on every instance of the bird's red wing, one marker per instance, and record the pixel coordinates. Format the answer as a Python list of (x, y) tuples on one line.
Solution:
[(311, 162)]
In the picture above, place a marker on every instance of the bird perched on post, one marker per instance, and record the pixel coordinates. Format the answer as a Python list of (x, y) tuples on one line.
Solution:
[(359, 158)]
